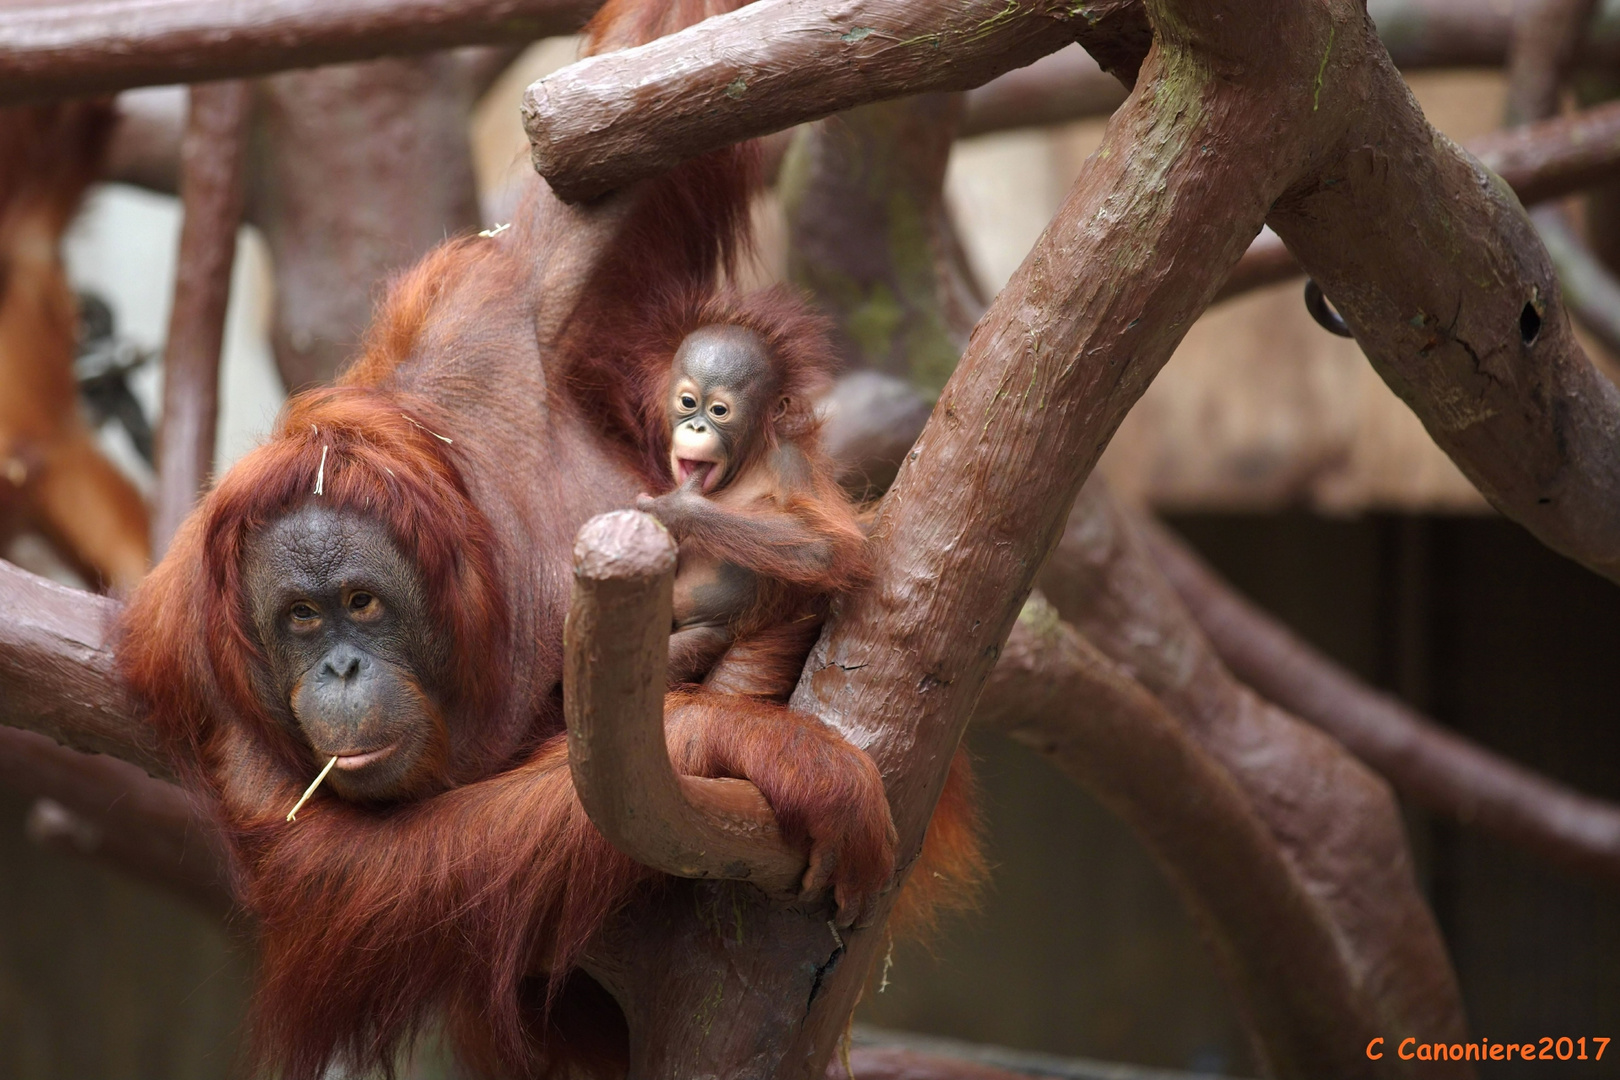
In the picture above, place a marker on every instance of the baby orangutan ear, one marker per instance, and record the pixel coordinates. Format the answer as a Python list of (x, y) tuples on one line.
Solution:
[(781, 408)]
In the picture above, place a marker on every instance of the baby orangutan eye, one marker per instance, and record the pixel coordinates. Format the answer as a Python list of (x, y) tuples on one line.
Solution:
[(718, 410), (688, 401)]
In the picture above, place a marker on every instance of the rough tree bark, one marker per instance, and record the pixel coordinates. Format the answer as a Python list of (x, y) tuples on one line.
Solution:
[(1313, 853), (56, 670), (99, 46), (211, 189), (1542, 161), (804, 60)]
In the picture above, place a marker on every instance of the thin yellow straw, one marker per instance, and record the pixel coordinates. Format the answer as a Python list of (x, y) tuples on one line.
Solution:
[(304, 798)]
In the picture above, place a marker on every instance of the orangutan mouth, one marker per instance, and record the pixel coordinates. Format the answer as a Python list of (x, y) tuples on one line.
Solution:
[(352, 762), (708, 472)]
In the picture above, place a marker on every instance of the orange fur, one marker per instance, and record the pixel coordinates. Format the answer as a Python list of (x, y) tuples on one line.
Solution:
[(49, 154), (476, 901)]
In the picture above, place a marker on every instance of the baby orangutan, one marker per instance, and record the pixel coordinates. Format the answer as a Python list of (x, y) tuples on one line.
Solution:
[(766, 537)]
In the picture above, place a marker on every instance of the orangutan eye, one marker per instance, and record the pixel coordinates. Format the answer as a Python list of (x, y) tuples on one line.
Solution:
[(688, 402), (303, 613), (360, 601), (719, 410)]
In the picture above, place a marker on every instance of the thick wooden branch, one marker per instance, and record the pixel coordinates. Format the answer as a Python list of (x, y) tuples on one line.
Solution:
[(616, 644), (1067, 347), (1459, 311), (98, 46), (212, 188), (769, 66), (1541, 161), (1434, 767), (56, 670), (1346, 842)]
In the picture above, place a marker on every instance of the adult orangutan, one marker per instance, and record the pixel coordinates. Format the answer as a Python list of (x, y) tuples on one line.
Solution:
[(383, 584), (52, 476)]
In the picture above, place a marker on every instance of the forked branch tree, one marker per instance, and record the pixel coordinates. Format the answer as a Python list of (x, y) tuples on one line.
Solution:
[(1242, 113)]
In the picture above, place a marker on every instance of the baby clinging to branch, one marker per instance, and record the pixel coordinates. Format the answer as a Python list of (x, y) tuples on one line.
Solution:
[(766, 536)]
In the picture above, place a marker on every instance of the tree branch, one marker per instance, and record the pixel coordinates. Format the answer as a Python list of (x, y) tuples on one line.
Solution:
[(359, 169), (616, 651), (56, 671), (1419, 34), (98, 46), (1540, 162), (100, 807), (1063, 86), (1346, 843), (1434, 767), (853, 186), (1459, 312), (1057, 693), (212, 157), (766, 67)]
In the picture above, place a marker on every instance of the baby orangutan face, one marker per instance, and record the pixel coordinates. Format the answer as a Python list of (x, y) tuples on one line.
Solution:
[(353, 655), (721, 385)]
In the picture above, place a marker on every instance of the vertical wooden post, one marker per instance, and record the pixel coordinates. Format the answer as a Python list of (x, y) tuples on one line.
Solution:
[(211, 189)]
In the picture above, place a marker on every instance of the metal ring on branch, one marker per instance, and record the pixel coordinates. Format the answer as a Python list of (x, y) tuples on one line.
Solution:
[(1317, 304), (615, 651)]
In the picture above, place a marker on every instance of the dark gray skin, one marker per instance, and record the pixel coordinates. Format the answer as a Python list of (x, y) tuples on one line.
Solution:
[(724, 391), (343, 619)]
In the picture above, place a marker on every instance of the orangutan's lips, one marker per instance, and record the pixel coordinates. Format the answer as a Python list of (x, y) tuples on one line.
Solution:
[(688, 466), (351, 762)]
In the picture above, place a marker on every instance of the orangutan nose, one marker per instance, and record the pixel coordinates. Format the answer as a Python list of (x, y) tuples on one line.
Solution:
[(342, 663)]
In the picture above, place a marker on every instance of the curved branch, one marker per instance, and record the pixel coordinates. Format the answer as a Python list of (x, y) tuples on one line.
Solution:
[(1459, 312), (98, 46), (1056, 692), (1436, 768), (616, 651), (766, 67)]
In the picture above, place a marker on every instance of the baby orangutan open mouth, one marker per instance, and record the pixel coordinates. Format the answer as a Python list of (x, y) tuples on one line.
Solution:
[(706, 473)]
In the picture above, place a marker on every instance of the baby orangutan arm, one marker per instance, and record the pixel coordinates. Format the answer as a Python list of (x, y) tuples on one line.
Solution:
[(794, 544)]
